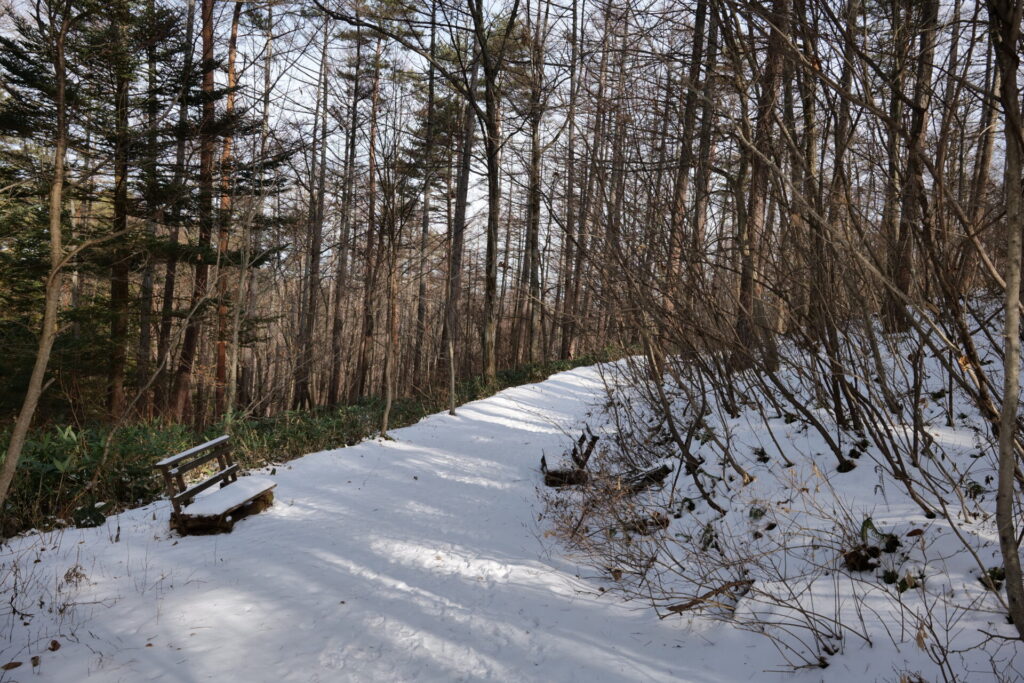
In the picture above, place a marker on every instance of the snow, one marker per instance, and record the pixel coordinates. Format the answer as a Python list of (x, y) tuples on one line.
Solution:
[(419, 558), (212, 503)]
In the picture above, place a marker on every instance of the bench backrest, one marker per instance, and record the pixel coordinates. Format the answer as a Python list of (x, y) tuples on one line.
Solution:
[(175, 467)]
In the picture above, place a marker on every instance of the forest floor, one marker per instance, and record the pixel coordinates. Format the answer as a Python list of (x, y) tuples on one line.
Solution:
[(420, 558)]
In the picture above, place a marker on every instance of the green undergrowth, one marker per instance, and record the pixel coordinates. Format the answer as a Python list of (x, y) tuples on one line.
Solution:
[(64, 478)]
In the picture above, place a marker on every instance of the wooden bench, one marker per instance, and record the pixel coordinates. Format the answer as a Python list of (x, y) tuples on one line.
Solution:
[(216, 511)]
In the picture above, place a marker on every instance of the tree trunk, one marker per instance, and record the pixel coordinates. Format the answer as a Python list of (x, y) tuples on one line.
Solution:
[(749, 325), (243, 291), (492, 66), (143, 354), (373, 255), (458, 236), (119, 269), (418, 375), (587, 202), (207, 140), (1005, 17), (347, 207), (224, 221), (163, 346), (673, 268), (302, 397), (702, 177), (391, 345), (569, 290), (913, 208)]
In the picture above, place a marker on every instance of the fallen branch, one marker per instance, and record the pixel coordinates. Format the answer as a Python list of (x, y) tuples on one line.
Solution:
[(698, 601)]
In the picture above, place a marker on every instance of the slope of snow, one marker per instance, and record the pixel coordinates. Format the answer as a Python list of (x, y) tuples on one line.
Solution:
[(421, 558)]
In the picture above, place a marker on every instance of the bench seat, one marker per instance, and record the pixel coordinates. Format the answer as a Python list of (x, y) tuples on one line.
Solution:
[(226, 500), (217, 511)]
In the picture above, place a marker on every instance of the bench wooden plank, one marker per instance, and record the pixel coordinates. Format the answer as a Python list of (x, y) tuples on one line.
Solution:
[(186, 496), (201, 460), (174, 459)]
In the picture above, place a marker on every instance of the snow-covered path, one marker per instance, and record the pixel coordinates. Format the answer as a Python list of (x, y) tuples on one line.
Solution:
[(414, 559)]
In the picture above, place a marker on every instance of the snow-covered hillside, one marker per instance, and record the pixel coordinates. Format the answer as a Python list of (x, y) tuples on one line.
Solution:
[(423, 558)]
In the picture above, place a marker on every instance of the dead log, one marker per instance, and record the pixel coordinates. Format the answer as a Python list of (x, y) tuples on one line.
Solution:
[(560, 478), (579, 455)]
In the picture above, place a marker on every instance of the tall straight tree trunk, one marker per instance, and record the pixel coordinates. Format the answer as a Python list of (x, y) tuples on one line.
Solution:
[(144, 349), (748, 326), (458, 236), (55, 279), (532, 246), (492, 65), (302, 396), (824, 290), (894, 175), (207, 141), (119, 270), (702, 176), (418, 374), (243, 291), (224, 222), (568, 312), (682, 182), (373, 253), (529, 315), (163, 346), (913, 209), (492, 147), (391, 344), (587, 200), (1005, 17), (966, 266), (347, 207)]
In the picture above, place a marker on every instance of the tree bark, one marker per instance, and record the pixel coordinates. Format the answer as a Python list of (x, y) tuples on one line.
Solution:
[(569, 290), (121, 255), (418, 375), (224, 221), (347, 207), (492, 62), (749, 328), (143, 354), (373, 253), (913, 207), (163, 346), (207, 141), (1005, 17), (302, 397), (673, 269), (457, 241)]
